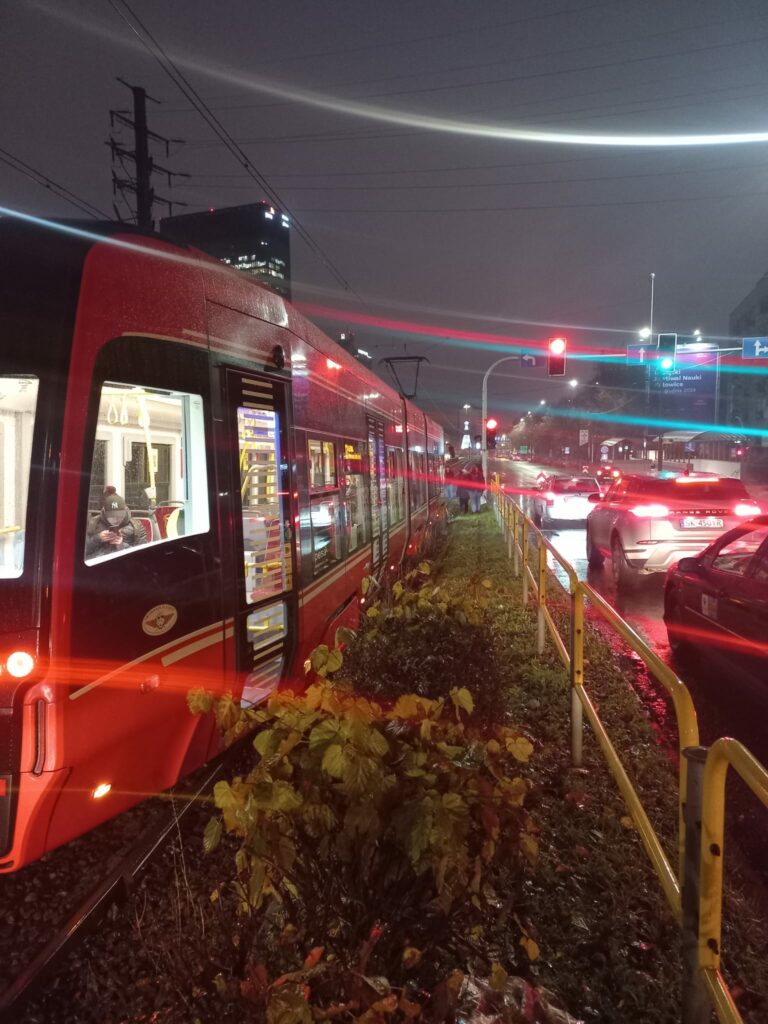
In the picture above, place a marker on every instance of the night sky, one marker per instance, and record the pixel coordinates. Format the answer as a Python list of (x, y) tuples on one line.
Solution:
[(444, 229)]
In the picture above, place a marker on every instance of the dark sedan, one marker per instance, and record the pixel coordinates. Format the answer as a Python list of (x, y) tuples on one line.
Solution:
[(720, 598)]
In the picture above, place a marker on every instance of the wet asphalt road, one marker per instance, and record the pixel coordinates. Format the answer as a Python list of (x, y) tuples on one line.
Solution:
[(727, 702)]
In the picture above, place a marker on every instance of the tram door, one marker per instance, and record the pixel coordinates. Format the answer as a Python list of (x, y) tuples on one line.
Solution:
[(377, 459), (264, 602)]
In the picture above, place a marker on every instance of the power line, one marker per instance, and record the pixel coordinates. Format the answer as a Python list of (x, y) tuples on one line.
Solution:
[(593, 113), (191, 94), (503, 184), (505, 62), (544, 206), (53, 186)]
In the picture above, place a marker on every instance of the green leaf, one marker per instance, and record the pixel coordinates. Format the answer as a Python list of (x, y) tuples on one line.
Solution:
[(424, 568), (359, 773), (323, 734), (334, 662), (520, 748), (397, 590), (334, 760), (344, 635), (256, 881), (199, 701), (212, 834), (450, 751), (319, 657), (499, 978), (266, 742), (462, 698), (375, 743), (487, 584), (276, 796), (362, 819), (373, 612), (287, 1005)]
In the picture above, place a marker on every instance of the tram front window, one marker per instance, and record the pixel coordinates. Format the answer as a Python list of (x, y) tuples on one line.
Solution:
[(18, 402)]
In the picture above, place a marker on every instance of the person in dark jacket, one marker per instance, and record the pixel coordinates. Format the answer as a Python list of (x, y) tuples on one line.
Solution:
[(112, 529), (477, 486), (463, 491)]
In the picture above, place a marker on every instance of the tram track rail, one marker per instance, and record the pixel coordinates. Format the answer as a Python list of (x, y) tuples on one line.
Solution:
[(112, 890)]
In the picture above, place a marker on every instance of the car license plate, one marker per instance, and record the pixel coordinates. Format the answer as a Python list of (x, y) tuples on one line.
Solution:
[(706, 523)]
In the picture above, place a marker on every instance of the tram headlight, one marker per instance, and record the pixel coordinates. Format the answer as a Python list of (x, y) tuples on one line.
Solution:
[(19, 664)]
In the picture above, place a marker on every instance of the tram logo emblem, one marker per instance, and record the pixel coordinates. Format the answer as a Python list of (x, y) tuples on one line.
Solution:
[(159, 619)]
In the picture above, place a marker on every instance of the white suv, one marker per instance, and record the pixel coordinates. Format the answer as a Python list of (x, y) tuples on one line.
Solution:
[(563, 499), (646, 524)]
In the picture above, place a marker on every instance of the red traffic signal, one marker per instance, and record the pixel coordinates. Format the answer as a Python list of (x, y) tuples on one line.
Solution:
[(490, 433), (556, 352)]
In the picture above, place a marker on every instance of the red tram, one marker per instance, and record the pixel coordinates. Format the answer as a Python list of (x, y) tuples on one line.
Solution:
[(269, 470)]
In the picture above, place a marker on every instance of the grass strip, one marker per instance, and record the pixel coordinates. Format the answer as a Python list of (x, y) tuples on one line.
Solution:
[(610, 946)]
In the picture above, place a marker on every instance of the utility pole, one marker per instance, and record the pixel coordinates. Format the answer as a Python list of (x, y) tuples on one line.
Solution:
[(140, 183), (144, 191)]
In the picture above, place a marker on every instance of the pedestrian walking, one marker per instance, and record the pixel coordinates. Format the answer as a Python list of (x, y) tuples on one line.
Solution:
[(476, 486)]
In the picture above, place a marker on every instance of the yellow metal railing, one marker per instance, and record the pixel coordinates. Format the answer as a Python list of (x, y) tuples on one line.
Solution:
[(722, 755), (695, 900)]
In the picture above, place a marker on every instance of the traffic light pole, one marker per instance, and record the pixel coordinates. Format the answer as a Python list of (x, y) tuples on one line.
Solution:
[(483, 436)]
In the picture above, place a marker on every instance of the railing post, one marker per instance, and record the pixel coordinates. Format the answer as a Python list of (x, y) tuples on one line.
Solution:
[(513, 542), (524, 546), (577, 674), (696, 1008), (541, 625)]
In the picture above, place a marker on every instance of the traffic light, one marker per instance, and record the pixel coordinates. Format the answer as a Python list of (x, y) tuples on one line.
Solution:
[(667, 352), (556, 349), (491, 426)]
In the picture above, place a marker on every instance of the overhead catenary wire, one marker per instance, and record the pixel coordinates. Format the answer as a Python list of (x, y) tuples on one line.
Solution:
[(504, 184), (124, 10), (627, 40), (541, 206), (53, 186)]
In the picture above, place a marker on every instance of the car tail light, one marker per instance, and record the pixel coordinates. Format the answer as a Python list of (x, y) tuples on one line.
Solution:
[(650, 511), (746, 508)]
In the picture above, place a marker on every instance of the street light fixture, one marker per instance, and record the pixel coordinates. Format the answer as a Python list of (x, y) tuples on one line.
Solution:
[(543, 401), (573, 383), (645, 333)]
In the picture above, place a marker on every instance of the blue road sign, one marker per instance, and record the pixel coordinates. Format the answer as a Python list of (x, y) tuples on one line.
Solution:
[(754, 348), (638, 355)]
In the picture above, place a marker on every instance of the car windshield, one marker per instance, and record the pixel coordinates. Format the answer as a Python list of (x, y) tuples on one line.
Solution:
[(574, 485), (689, 489), (18, 401)]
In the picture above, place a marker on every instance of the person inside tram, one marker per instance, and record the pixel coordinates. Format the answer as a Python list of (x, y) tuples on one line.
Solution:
[(113, 529)]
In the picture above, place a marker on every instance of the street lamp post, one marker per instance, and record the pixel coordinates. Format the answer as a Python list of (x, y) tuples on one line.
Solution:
[(485, 408)]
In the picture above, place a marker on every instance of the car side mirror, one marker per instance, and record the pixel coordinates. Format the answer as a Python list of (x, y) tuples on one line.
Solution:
[(689, 565), (594, 499)]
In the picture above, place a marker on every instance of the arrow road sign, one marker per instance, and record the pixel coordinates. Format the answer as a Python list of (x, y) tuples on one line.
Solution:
[(531, 361), (754, 348), (637, 355)]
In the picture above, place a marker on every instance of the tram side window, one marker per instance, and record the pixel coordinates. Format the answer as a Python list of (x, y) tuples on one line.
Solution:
[(324, 505), (18, 403), (322, 464), (356, 496), (267, 560), (395, 486), (418, 481), (148, 481)]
